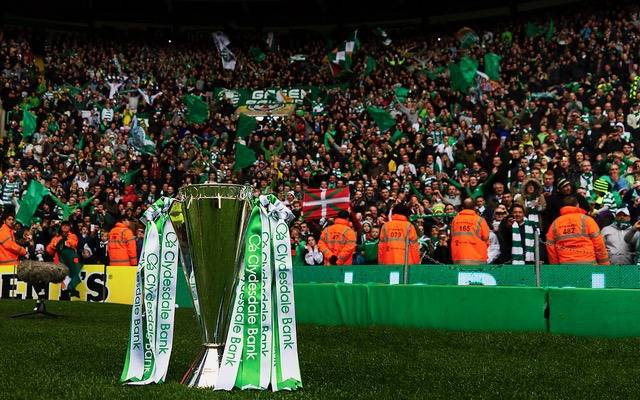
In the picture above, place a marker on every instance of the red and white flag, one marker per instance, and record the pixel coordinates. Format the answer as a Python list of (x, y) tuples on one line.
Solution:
[(325, 203)]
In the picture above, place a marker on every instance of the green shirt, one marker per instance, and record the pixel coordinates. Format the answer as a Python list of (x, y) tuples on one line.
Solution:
[(370, 251)]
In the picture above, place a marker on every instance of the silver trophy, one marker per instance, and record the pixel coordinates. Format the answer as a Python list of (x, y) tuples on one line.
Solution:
[(210, 221)]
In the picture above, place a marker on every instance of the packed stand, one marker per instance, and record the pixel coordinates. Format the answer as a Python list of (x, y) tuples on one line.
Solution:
[(562, 120)]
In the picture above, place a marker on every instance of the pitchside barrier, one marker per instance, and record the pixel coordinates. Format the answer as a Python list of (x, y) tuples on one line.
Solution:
[(568, 300)]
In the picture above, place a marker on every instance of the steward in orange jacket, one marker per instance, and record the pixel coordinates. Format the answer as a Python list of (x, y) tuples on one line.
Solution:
[(122, 245), (575, 238), (395, 235), (469, 237), (10, 251), (338, 241)]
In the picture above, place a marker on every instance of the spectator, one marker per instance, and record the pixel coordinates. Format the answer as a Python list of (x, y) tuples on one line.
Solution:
[(369, 247), (620, 251), (63, 247), (313, 256)]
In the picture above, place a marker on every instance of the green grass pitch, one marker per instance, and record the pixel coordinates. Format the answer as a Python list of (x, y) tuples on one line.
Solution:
[(80, 356)]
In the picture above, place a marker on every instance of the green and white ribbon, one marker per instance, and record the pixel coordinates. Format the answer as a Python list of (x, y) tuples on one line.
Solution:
[(521, 253), (261, 346), (152, 315)]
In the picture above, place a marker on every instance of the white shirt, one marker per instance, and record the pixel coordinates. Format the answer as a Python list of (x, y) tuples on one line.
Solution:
[(412, 169), (107, 114)]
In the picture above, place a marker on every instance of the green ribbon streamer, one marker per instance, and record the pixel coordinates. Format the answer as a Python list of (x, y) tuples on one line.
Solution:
[(249, 377)]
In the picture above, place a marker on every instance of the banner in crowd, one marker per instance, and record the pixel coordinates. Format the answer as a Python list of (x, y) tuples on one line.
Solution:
[(325, 203), (252, 97), (262, 110)]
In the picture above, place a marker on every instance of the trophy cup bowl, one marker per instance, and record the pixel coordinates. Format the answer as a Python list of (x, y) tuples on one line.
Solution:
[(210, 221)]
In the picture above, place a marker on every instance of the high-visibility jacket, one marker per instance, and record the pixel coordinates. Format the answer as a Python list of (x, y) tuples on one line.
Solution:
[(395, 235), (122, 246), (72, 242), (338, 240), (575, 238), (469, 238), (10, 251)]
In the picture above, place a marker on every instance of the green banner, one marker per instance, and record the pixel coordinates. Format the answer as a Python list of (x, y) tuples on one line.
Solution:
[(268, 96)]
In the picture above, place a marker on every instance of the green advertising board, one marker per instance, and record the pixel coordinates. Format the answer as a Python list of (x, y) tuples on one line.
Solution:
[(578, 276)]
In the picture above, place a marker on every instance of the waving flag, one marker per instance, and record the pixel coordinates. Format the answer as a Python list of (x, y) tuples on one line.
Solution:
[(341, 57), (139, 140), (226, 55), (325, 203)]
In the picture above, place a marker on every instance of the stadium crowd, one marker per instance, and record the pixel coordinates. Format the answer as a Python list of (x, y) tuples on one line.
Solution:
[(562, 120)]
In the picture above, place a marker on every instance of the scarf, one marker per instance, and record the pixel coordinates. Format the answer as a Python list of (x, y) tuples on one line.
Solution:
[(586, 182), (533, 210), (522, 253)]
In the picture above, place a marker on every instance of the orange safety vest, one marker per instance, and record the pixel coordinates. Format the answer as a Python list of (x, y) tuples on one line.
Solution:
[(10, 251), (469, 238), (575, 238), (394, 237), (122, 246), (72, 241), (338, 240)]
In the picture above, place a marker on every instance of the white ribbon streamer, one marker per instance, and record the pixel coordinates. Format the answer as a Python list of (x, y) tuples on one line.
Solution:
[(166, 300)]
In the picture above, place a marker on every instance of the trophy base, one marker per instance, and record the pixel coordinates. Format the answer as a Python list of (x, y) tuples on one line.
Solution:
[(204, 370)]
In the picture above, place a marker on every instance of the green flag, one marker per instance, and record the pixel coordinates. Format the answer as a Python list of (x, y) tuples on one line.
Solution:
[(30, 202), (197, 110), (129, 176), (257, 54), (67, 210), (551, 31), (492, 66), (534, 30), (383, 119), (245, 157), (29, 123), (507, 37), (370, 66), (81, 142), (397, 135), (401, 93), (463, 74), (246, 125), (433, 73)]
